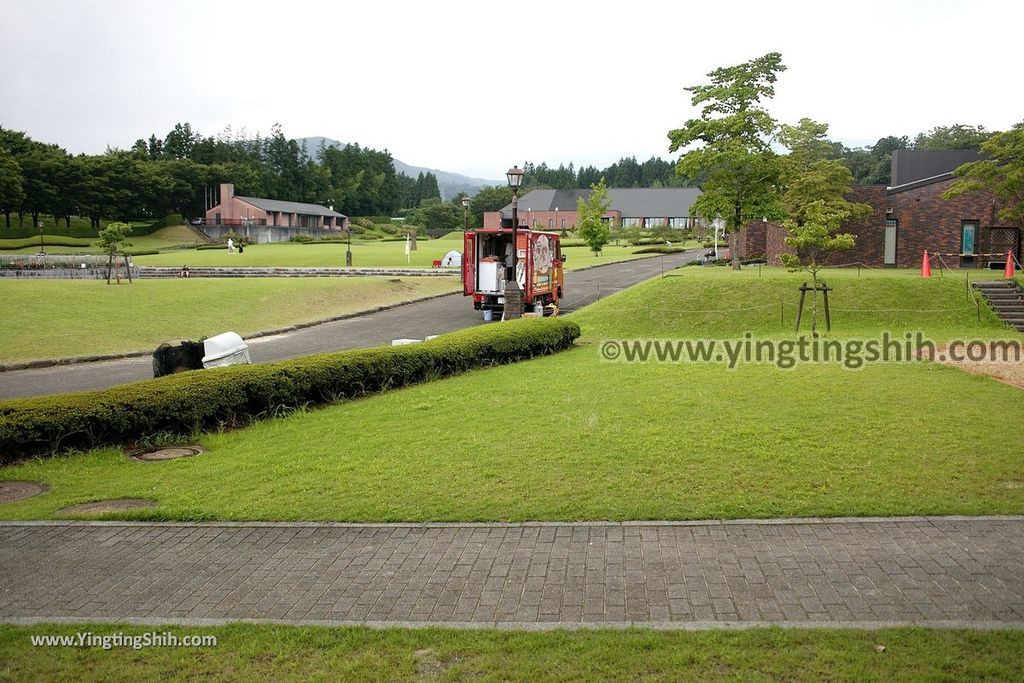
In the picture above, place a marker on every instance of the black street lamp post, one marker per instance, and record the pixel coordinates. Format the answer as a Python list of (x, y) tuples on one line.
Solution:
[(465, 214), (513, 292), (42, 249)]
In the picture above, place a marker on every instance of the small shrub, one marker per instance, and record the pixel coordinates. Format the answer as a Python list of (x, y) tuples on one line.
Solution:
[(304, 239), (236, 238)]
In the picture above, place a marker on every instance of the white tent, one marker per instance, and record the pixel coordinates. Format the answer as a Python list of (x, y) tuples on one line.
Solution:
[(452, 258)]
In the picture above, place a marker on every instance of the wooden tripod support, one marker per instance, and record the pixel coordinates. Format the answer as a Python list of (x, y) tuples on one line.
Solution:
[(824, 289)]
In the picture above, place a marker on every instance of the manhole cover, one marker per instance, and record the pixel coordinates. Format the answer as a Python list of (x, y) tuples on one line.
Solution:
[(102, 506), (11, 491), (168, 453)]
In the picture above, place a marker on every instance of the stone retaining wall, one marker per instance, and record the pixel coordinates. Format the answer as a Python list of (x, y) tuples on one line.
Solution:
[(64, 273), (262, 234)]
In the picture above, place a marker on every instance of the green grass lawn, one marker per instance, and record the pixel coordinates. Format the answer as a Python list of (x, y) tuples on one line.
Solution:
[(599, 440), (593, 441), (286, 653), (60, 318), (364, 254)]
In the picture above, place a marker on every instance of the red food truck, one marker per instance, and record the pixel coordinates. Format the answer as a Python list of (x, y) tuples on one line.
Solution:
[(487, 266)]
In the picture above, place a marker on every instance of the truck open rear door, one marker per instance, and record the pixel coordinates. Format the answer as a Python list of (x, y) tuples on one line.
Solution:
[(468, 263)]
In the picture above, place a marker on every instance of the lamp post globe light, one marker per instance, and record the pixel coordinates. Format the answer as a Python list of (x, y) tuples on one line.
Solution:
[(465, 214), (513, 293)]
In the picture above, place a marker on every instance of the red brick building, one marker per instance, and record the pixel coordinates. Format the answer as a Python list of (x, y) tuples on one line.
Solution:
[(269, 220), (910, 217)]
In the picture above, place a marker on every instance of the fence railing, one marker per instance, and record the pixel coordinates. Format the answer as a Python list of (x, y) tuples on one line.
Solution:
[(44, 261)]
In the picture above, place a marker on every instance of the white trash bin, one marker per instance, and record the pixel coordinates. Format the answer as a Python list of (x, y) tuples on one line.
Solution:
[(225, 349)]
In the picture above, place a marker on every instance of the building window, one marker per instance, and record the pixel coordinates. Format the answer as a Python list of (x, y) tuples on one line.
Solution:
[(551, 223), (969, 238), (629, 222), (655, 222), (563, 224)]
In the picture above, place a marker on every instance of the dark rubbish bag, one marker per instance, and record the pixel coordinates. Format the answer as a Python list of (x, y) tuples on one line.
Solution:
[(171, 358)]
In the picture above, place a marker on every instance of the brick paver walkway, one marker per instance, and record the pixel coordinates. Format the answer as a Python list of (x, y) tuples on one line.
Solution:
[(935, 571)]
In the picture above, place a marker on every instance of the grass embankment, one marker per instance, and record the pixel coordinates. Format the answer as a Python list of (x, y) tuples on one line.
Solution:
[(599, 440), (61, 318), (717, 303), (80, 228), (164, 238), (286, 653)]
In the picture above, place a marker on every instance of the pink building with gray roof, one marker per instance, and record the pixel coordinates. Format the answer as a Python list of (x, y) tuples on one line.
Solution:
[(270, 220)]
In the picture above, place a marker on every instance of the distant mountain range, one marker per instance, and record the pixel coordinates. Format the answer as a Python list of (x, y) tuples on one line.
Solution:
[(450, 184)]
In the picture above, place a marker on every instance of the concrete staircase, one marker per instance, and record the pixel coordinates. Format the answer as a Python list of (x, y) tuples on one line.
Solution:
[(204, 271), (1006, 298), (202, 236)]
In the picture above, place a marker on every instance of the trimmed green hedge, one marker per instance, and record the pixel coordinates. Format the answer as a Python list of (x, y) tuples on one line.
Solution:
[(48, 240), (663, 249), (191, 402)]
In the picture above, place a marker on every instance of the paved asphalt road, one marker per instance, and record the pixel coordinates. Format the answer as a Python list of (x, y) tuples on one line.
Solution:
[(413, 321)]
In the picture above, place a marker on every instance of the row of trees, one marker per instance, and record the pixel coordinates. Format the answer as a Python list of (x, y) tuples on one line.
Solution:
[(868, 165), (626, 172), (161, 176)]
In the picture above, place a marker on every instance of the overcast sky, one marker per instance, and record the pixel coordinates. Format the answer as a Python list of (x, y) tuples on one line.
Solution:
[(475, 87)]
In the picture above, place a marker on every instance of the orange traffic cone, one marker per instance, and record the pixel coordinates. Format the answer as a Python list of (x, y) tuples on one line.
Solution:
[(926, 266), (1008, 273)]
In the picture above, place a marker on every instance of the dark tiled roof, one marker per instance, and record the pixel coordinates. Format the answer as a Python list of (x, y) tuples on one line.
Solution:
[(631, 202), (290, 207), (913, 165)]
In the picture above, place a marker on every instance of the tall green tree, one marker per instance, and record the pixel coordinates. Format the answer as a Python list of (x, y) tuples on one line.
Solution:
[(814, 239), (434, 214), (734, 134), (807, 144), (589, 224), (815, 200), (1000, 173), (179, 142), (488, 199), (957, 136), (12, 192)]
